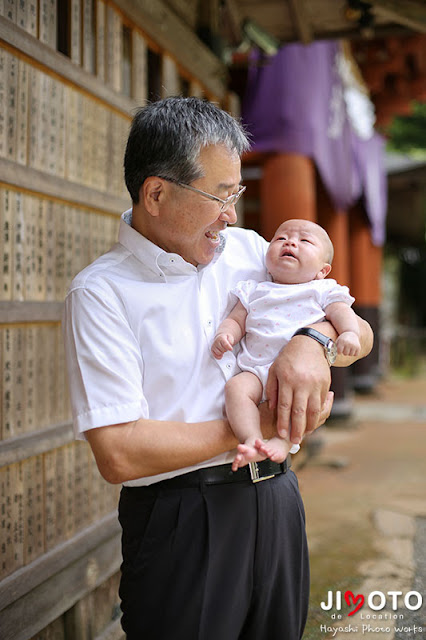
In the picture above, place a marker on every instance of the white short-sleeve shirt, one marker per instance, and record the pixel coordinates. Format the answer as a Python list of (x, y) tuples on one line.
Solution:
[(138, 328)]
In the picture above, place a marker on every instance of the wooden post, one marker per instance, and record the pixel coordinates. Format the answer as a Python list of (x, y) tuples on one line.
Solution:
[(287, 190), (337, 226), (366, 264)]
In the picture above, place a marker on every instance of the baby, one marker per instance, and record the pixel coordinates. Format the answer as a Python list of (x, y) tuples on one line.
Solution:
[(267, 315)]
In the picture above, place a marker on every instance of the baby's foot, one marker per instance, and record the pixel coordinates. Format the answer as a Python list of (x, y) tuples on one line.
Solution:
[(246, 453), (276, 449)]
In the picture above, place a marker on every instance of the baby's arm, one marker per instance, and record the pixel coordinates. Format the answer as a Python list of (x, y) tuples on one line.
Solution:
[(230, 331), (344, 320)]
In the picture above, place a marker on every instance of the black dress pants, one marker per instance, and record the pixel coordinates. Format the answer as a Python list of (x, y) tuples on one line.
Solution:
[(216, 562)]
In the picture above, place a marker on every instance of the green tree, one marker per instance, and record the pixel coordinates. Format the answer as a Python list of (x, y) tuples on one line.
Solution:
[(408, 133)]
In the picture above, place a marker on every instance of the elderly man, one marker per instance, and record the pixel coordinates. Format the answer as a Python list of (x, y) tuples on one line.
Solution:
[(208, 554)]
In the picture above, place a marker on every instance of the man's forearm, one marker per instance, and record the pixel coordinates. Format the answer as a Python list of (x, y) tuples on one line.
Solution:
[(143, 448)]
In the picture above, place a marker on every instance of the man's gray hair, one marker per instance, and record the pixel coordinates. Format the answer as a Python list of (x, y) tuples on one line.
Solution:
[(166, 138)]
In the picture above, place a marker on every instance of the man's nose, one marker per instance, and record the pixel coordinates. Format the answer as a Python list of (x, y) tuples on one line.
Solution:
[(229, 215)]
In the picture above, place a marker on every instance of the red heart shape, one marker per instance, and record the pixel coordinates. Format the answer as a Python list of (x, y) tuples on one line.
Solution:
[(360, 599)]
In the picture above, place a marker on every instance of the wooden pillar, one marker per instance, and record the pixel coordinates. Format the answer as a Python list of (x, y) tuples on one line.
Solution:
[(287, 190), (366, 265), (336, 224)]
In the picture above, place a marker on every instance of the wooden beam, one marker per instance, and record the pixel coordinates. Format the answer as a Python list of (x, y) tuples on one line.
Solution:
[(33, 444), (380, 31), (208, 15), (234, 18), (177, 39), (298, 14), (34, 596), (14, 311), (60, 65), (45, 184), (28, 578), (409, 13)]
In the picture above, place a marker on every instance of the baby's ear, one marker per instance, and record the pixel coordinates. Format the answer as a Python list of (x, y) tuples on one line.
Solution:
[(324, 272)]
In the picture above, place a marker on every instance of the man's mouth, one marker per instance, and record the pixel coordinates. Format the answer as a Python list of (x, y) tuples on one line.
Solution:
[(213, 235)]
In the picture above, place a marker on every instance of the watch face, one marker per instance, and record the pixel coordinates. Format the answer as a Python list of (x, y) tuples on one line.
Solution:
[(331, 351)]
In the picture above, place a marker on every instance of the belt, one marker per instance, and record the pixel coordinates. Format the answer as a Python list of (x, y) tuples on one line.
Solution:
[(222, 474)]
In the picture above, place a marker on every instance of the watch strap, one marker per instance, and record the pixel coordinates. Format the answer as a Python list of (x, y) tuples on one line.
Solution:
[(313, 333), (328, 344)]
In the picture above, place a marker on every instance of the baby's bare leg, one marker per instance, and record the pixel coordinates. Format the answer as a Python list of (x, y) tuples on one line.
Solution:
[(243, 394)]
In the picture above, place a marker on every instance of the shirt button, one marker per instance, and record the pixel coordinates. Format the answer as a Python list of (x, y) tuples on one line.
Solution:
[(209, 323), (172, 260), (229, 365)]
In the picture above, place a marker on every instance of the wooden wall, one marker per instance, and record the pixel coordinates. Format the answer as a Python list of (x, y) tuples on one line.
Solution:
[(72, 73)]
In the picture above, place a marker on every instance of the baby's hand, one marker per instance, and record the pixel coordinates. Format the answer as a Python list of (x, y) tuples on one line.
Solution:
[(222, 342), (348, 344)]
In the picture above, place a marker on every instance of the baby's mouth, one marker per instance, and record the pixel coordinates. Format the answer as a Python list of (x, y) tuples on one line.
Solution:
[(287, 254)]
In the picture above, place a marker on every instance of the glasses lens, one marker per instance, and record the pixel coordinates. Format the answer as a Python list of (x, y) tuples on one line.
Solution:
[(232, 200), (228, 203)]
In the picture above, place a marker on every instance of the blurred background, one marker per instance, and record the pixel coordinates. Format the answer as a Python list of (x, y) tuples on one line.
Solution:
[(333, 94)]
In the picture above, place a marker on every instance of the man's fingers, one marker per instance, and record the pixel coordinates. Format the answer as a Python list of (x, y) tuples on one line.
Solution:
[(285, 405), (313, 412), (298, 420), (271, 390), (323, 414), (326, 408), (306, 414)]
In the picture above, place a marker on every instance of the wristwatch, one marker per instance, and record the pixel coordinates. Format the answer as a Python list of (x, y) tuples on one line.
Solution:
[(330, 349)]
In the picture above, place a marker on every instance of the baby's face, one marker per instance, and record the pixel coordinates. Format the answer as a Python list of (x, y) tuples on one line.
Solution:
[(298, 252)]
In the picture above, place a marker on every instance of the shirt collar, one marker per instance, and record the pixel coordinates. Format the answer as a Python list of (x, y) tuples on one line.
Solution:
[(144, 250), (150, 254)]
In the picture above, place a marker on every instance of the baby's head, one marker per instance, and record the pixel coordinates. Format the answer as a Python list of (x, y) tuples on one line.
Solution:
[(300, 251)]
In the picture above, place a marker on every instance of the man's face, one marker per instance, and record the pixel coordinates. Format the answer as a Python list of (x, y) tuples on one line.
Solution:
[(298, 253), (191, 222)]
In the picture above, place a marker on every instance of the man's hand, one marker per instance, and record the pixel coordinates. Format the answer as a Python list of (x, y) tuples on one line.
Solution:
[(268, 416), (297, 387)]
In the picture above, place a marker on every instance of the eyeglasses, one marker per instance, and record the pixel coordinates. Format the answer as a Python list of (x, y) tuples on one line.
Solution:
[(225, 204)]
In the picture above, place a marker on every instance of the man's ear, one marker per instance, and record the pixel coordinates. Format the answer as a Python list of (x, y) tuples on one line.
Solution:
[(152, 194), (324, 272)]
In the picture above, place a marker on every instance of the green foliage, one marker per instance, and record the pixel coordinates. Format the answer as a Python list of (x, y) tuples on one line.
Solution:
[(408, 133)]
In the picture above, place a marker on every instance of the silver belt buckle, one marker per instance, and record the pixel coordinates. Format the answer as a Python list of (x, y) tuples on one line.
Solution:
[(254, 473)]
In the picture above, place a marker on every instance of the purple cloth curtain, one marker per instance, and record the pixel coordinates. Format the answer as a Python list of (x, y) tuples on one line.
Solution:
[(295, 103)]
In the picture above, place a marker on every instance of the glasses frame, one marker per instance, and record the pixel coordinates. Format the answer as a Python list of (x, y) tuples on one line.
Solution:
[(225, 204)]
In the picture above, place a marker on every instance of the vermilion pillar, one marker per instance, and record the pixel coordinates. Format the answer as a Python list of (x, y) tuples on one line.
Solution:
[(336, 224), (287, 190), (366, 266)]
